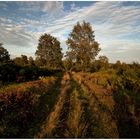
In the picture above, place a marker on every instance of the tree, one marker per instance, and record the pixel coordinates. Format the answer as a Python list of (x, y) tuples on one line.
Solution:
[(17, 61), (4, 55), (103, 59), (82, 45), (48, 52), (22, 61), (103, 62), (67, 64), (31, 61), (117, 65)]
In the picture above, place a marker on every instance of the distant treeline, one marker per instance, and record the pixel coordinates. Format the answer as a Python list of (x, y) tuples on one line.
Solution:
[(11, 72)]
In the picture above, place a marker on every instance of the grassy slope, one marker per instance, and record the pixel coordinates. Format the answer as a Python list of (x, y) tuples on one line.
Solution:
[(79, 105)]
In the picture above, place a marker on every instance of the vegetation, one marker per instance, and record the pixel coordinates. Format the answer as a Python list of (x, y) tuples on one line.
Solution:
[(49, 52), (4, 55), (82, 46), (78, 97)]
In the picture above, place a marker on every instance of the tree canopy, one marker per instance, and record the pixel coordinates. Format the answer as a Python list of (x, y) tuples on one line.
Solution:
[(82, 47), (48, 52), (103, 59), (22, 61), (4, 54)]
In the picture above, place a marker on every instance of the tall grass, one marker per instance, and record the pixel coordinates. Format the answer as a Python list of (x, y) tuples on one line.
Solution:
[(104, 124), (51, 123), (18, 106)]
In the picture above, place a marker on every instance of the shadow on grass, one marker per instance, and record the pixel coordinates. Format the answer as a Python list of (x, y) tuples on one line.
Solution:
[(45, 106), (87, 117), (126, 121), (62, 123), (92, 104)]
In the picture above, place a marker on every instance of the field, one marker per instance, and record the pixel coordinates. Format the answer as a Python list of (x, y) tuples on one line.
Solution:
[(69, 69), (72, 105)]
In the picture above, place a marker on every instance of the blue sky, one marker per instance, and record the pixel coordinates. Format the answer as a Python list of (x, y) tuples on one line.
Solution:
[(116, 25)]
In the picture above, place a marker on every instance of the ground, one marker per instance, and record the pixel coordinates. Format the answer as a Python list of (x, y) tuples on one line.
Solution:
[(70, 105)]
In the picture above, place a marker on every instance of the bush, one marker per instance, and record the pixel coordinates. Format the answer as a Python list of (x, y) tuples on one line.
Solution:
[(19, 106), (11, 72)]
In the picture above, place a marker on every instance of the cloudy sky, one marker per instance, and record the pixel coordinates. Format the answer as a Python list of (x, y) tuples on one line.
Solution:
[(116, 25)]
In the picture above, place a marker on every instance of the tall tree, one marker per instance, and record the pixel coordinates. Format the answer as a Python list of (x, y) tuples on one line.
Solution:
[(4, 54), (48, 52), (82, 45)]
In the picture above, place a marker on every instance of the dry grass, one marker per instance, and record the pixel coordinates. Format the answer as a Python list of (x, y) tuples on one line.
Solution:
[(77, 124), (19, 106), (51, 122), (101, 105), (81, 106), (39, 85)]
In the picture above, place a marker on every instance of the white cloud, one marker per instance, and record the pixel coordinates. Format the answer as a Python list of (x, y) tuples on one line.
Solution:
[(50, 8), (110, 20), (14, 34), (53, 6)]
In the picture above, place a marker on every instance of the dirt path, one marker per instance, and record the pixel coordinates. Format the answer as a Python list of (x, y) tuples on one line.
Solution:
[(51, 122), (70, 116), (78, 122)]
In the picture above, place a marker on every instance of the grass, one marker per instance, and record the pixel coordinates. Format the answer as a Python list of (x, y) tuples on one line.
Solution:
[(51, 122), (19, 105), (104, 125), (72, 105)]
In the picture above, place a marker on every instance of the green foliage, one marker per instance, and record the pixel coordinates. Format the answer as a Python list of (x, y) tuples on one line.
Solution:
[(31, 61), (24, 61), (21, 61), (103, 62), (16, 112), (48, 52), (95, 66), (8, 72), (67, 64), (4, 55), (11, 72), (82, 45), (103, 59)]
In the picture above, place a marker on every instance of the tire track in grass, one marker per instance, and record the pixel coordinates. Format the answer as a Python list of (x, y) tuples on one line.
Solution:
[(107, 118), (68, 120), (31, 106), (61, 125), (78, 124), (71, 121), (43, 106), (106, 124), (51, 123)]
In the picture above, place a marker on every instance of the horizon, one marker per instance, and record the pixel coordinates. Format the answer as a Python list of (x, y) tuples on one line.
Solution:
[(116, 25)]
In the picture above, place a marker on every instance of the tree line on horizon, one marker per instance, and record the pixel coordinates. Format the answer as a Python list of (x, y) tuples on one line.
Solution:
[(81, 54)]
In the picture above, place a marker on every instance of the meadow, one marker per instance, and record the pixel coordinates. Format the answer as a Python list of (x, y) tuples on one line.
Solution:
[(103, 104)]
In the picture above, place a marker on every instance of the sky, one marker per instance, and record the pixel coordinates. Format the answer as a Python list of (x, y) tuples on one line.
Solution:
[(116, 25)]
